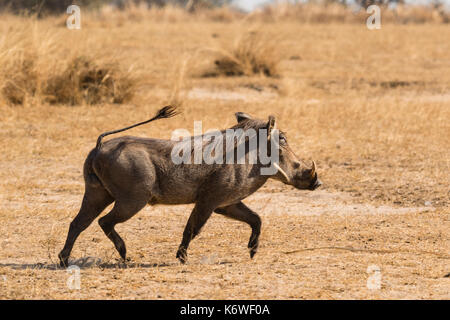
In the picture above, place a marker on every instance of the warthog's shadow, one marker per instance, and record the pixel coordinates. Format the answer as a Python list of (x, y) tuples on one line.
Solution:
[(86, 263)]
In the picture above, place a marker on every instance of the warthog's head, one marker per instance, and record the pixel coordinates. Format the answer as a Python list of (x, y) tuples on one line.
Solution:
[(291, 170)]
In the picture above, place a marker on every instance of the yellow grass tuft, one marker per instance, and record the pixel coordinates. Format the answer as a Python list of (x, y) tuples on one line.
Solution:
[(21, 79), (84, 81), (253, 54), (37, 69)]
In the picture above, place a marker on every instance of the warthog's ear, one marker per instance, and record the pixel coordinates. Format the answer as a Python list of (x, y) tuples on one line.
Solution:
[(271, 125), (240, 116)]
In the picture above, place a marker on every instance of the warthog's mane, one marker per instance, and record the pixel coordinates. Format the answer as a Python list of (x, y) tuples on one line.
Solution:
[(244, 125)]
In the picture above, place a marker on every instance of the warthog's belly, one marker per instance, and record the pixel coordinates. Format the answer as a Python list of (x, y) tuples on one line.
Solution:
[(179, 190)]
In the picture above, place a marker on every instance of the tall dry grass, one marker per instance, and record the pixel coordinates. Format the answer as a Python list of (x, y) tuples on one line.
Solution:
[(35, 67), (39, 66), (253, 53), (85, 81)]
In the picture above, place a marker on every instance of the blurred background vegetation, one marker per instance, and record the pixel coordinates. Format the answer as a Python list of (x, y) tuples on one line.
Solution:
[(44, 7), (60, 6)]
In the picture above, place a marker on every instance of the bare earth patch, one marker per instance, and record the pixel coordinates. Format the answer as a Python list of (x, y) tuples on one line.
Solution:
[(314, 245), (322, 202), (244, 94)]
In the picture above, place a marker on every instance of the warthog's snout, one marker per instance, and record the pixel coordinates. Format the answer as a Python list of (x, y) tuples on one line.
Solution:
[(303, 178), (315, 183)]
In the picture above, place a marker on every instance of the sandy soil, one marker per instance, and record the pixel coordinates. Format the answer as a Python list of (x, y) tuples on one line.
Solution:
[(318, 244)]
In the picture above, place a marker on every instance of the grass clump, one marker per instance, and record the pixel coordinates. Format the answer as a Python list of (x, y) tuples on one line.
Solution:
[(253, 54), (20, 79), (84, 81)]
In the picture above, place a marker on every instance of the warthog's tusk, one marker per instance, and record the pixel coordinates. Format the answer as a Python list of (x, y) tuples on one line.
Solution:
[(282, 171), (313, 170)]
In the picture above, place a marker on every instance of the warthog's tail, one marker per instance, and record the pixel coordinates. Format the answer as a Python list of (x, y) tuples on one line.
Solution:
[(166, 112)]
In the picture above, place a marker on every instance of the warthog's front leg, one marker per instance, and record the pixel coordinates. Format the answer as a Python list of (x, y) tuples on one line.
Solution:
[(241, 212), (197, 219)]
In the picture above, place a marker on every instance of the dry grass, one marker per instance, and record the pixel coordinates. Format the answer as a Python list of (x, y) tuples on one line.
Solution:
[(37, 70), (371, 107), (85, 82), (253, 53)]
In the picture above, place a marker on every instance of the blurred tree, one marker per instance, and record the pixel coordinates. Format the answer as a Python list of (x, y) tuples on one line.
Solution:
[(188, 4), (151, 3), (361, 3), (46, 6), (366, 3)]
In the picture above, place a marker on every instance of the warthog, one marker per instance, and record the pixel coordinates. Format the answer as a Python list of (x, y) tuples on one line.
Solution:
[(134, 172)]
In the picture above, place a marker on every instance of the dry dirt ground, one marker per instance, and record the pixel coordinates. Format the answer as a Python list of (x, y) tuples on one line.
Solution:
[(314, 245), (372, 108)]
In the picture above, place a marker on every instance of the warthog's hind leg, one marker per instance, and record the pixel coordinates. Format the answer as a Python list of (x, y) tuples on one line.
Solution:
[(95, 200), (200, 214), (241, 212), (122, 211)]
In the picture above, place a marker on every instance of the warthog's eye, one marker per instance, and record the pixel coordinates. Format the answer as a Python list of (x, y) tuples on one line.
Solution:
[(282, 139)]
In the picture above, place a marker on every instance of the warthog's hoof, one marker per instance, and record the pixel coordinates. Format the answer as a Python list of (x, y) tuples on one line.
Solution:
[(182, 255), (253, 246), (63, 261)]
